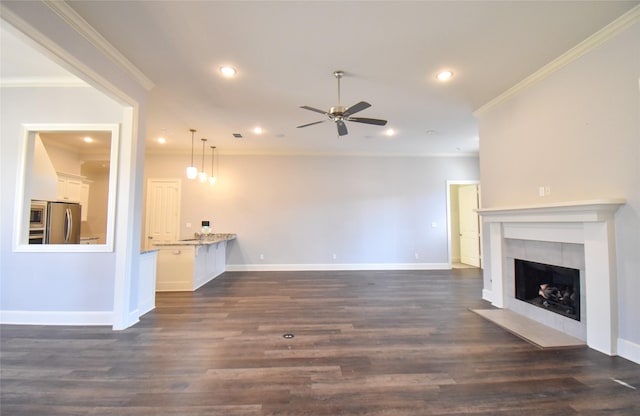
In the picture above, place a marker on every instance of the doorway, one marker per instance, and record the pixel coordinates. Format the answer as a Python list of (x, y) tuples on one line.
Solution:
[(463, 198)]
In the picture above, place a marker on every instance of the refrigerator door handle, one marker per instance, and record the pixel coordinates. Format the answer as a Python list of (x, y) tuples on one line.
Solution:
[(69, 227)]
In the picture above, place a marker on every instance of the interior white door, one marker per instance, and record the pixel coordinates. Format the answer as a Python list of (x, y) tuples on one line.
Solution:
[(469, 225), (163, 211)]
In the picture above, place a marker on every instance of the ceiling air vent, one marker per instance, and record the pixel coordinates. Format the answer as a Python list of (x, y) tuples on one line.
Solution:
[(237, 135)]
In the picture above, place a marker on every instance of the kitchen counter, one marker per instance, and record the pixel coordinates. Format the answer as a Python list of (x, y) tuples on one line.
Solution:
[(210, 239), (185, 265)]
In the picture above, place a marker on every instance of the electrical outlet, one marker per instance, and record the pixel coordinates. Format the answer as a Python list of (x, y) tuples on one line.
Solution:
[(261, 256), (188, 225), (417, 256), (434, 224), (335, 256), (541, 191)]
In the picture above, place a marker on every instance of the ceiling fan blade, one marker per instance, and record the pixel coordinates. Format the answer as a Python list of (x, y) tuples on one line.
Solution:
[(342, 128), (311, 124), (362, 105), (306, 107), (375, 121)]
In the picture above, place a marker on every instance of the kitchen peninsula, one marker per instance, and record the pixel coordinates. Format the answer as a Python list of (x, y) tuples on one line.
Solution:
[(185, 265)]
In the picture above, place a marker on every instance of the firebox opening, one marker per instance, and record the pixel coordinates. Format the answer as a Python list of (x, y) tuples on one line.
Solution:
[(554, 288)]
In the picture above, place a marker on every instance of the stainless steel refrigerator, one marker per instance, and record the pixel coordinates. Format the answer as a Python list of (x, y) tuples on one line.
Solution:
[(63, 223)]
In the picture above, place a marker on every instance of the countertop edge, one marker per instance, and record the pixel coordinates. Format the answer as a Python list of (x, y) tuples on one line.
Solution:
[(194, 242)]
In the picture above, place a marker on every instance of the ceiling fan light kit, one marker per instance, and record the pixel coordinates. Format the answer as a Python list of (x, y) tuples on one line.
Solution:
[(340, 114)]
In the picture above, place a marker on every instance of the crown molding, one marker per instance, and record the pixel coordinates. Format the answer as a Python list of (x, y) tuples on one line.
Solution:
[(32, 36), (74, 20), (611, 30), (39, 82)]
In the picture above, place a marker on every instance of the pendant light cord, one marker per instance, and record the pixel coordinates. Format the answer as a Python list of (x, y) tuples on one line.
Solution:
[(203, 142), (213, 152), (192, 144)]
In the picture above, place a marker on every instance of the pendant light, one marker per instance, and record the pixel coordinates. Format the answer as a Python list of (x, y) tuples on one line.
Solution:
[(212, 178), (192, 171), (202, 176)]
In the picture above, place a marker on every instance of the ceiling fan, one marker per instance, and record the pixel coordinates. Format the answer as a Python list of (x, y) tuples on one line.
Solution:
[(340, 114)]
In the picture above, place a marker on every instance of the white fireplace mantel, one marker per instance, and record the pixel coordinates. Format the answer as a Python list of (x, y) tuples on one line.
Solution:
[(582, 222), (576, 211)]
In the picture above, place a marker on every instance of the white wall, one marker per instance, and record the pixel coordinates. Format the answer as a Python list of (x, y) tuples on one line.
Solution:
[(55, 28), (578, 132), (52, 281), (299, 210)]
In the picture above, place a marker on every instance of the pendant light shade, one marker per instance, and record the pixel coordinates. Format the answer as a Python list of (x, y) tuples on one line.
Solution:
[(202, 176), (212, 178), (192, 171)]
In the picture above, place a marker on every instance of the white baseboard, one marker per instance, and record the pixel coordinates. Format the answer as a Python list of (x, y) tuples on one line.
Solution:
[(487, 295), (335, 267), (629, 350), (56, 318)]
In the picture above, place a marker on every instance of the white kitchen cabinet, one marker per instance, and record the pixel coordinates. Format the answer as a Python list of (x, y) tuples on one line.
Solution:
[(69, 188), (74, 188)]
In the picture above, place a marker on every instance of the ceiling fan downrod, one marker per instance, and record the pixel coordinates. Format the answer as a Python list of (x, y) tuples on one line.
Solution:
[(338, 74)]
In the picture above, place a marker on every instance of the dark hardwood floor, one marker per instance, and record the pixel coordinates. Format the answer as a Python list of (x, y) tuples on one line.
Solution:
[(365, 343)]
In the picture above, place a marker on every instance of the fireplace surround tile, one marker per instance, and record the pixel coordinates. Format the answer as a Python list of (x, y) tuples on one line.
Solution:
[(554, 253)]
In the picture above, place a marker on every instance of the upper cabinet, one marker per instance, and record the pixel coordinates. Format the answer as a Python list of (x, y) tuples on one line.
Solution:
[(69, 188), (74, 188)]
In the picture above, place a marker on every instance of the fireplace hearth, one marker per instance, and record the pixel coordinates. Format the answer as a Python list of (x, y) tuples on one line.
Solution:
[(554, 288)]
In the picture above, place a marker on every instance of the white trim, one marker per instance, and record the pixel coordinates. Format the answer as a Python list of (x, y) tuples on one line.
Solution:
[(584, 47), (462, 182), (487, 295), (49, 48), (585, 222), (629, 350), (56, 318), (22, 197), (334, 267), (575, 211), (126, 262), (42, 82), (75, 21)]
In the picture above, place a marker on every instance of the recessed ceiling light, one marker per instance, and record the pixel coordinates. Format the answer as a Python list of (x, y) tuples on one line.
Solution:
[(88, 139), (444, 75), (257, 130), (227, 71), (389, 132), (161, 140), (432, 132)]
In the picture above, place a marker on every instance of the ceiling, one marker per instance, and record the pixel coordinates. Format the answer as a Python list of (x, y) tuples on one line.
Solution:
[(286, 52)]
